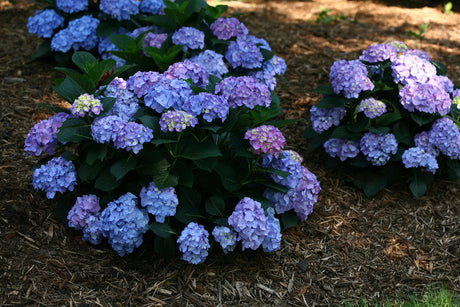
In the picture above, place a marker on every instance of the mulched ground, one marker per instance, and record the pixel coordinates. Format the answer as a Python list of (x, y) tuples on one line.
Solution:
[(351, 247)]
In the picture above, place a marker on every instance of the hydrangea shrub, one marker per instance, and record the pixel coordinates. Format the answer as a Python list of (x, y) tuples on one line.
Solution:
[(392, 113)]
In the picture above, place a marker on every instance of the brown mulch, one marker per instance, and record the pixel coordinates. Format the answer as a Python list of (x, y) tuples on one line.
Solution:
[(351, 248)]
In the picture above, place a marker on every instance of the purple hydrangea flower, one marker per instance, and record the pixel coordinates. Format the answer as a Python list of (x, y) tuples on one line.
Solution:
[(58, 175), (409, 68), (341, 148), (104, 128), (418, 157), (161, 203), (226, 237), (85, 104), (72, 6), (294, 155), (442, 82), (285, 163), (154, 40), (422, 140), (152, 7), (92, 231), (168, 94), (244, 53), (306, 194), (188, 70), (425, 98), (379, 53), (80, 33), (43, 23), (126, 104), (322, 119), (264, 76), (131, 136), (244, 91), (84, 207), (141, 82), (212, 62), (137, 32), (43, 136), (272, 241), (210, 105), (276, 64), (378, 148), (194, 243), (445, 136), (350, 78), (281, 202), (420, 53), (372, 108), (119, 9), (177, 121), (189, 37), (249, 221), (123, 223), (226, 28), (266, 139)]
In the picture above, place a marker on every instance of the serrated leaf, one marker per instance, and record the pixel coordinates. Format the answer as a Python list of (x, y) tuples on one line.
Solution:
[(82, 58), (215, 206), (194, 150), (332, 102), (325, 89), (106, 181), (69, 90), (289, 219), (120, 168), (74, 130), (162, 230), (96, 152)]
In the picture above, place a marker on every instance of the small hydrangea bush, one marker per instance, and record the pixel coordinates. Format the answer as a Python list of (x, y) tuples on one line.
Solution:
[(393, 114), (196, 160)]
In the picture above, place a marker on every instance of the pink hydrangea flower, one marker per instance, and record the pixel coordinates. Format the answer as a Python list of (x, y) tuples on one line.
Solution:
[(266, 139)]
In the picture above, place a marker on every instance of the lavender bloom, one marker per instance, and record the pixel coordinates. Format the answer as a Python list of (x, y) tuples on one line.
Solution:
[(442, 82), (418, 157), (350, 77), (210, 105), (306, 194), (119, 9), (272, 241), (244, 53), (276, 64), (420, 53), (379, 53), (425, 98), (281, 202), (84, 104), (226, 237), (189, 37), (141, 82), (72, 6), (126, 104), (226, 28), (266, 139), (188, 70), (80, 33), (123, 223), (177, 121), (168, 94), (92, 231), (244, 91), (103, 129), (154, 40), (285, 163), (323, 119), (161, 203), (43, 23), (293, 155), (265, 77), (372, 108), (131, 136), (378, 148), (58, 175), (341, 148), (409, 68), (43, 136), (445, 136), (422, 140), (194, 243), (249, 221), (152, 7), (212, 62), (84, 207)]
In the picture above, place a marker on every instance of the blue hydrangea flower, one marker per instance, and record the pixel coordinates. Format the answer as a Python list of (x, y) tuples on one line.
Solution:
[(126, 104), (177, 121), (43, 136), (154, 40), (305, 194), (285, 163), (418, 157), (378, 148), (141, 82), (243, 52), (119, 9), (422, 140), (425, 98), (161, 203), (350, 78), (137, 32), (226, 28), (152, 7), (43, 23), (372, 107), (322, 119), (445, 136), (341, 148), (266, 77), (84, 207), (266, 139), (210, 105), (62, 41), (442, 82), (123, 223), (168, 94), (92, 231), (85, 104), (58, 175), (420, 53), (249, 221), (104, 128), (212, 62), (72, 6), (80, 33), (189, 37), (409, 68), (194, 243), (276, 64), (131, 136), (281, 202), (272, 241), (379, 53), (188, 70), (226, 237), (244, 91)]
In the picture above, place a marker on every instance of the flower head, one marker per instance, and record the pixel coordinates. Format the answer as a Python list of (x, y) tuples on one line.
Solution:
[(103, 129), (190, 37), (409, 68), (58, 175), (379, 53), (126, 102), (85, 104), (266, 139), (341, 148), (426, 98), (378, 148), (72, 6), (141, 82), (226, 237), (131, 136), (243, 52), (322, 119), (92, 231), (305, 194), (154, 40), (119, 9), (194, 243), (85, 206), (445, 136), (418, 157), (188, 70), (177, 121), (210, 105), (212, 62), (168, 94), (161, 203), (152, 7), (244, 91), (286, 163), (80, 33), (43, 23), (272, 241), (372, 107), (350, 78)]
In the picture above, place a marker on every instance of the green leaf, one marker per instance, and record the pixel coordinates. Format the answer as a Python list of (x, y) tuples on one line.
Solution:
[(207, 164), (289, 219), (188, 209), (120, 168), (162, 230), (124, 42), (418, 186), (162, 174), (387, 119), (325, 89), (193, 150), (317, 141), (332, 102), (423, 118), (98, 70), (82, 58), (165, 247), (74, 130), (81, 80), (69, 90), (43, 50), (106, 28), (423, 27), (160, 20), (96, 152), (107, 104), (215, 206), (150, 121), (272, 185), (371, 184), (453, 168), (402, 133), (228, 175), (106, 181), (379, 130), (267, 54), (88, 172)]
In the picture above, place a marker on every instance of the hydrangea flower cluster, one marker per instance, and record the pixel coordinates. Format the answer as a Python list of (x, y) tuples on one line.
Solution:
[(177, 121), (244, 91), (266, 139), (322, 119), (80, 33), (188, 70), (341, 148), (379, 53), (168, 94), (92, 231), (209, 105), (119, 9), (350, 78), (286, 163), (372, 107), (126, 104), (226, 28), (410, 68), (131, 136), (154, 40), (153, 7), (212, 62), (84, 104), (418, 157), (272, 241), (226, 237), (243, 52), (160, 203), (194, 243), (426, 98), (85, 206), (378, 148), (72, 6), (445, 136), (190, 37), (43, 23), (58, 175)]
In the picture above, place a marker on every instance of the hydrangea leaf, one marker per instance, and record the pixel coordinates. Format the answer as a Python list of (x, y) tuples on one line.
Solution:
[(332, 102), (215, 205), (82, 59), (74, 130), (120, 168), (289, 220), (68, 89), (194, 150), (165, 247), (87, 172), (161, 229)]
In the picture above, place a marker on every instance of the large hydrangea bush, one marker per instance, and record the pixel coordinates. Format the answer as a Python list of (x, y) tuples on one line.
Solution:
[(394, 114), (192, 153)]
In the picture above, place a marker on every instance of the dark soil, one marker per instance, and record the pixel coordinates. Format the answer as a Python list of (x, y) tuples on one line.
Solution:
[(376, 249)]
